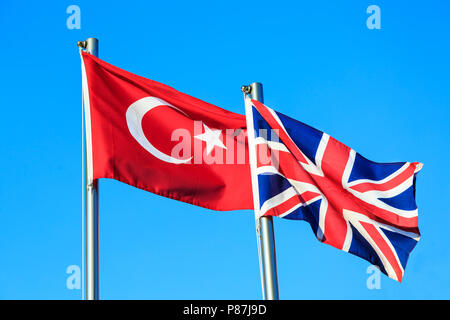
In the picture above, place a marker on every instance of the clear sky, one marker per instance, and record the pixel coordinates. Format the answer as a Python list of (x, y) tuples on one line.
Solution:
[(383, 92)]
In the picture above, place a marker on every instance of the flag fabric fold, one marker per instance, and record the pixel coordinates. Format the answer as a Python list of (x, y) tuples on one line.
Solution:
[(153, 137), (352, 203)]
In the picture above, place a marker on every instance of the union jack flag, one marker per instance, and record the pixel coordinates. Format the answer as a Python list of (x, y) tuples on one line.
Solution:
[(353, 204)]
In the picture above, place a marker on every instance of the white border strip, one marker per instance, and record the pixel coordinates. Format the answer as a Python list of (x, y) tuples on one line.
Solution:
[(252, 156), (87, 116)]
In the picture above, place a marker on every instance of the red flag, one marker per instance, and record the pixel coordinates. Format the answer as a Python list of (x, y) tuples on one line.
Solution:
[(153, 137)]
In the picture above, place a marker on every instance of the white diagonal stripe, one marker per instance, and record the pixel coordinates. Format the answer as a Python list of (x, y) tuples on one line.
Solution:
[(278, 199)]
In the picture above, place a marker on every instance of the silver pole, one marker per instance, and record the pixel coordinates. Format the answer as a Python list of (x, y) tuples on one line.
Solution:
[(91, 218), (265, 234), (91, 242)]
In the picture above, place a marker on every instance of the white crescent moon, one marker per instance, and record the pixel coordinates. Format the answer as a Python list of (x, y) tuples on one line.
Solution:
[(135, 112)]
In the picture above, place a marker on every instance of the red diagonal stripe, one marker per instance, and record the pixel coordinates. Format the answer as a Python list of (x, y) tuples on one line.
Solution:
[(390, 184), (384, 247), (284, 137)]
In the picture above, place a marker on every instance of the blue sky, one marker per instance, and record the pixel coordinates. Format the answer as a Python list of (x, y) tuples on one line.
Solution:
[(382, 92)]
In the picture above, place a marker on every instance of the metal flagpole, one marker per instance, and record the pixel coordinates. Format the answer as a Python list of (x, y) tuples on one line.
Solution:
[(91, 214), (264, 228)]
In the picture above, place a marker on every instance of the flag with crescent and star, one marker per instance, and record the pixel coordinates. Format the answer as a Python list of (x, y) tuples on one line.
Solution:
[(153, 137)]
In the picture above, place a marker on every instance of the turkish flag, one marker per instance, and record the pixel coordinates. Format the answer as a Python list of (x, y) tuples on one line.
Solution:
[(153, 137)]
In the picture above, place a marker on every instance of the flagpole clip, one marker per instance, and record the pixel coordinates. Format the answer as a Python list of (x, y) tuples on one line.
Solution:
[(246, 89), (82, 44)]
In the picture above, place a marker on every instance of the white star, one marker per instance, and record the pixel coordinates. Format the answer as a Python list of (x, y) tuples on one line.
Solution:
[(212, 138)]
